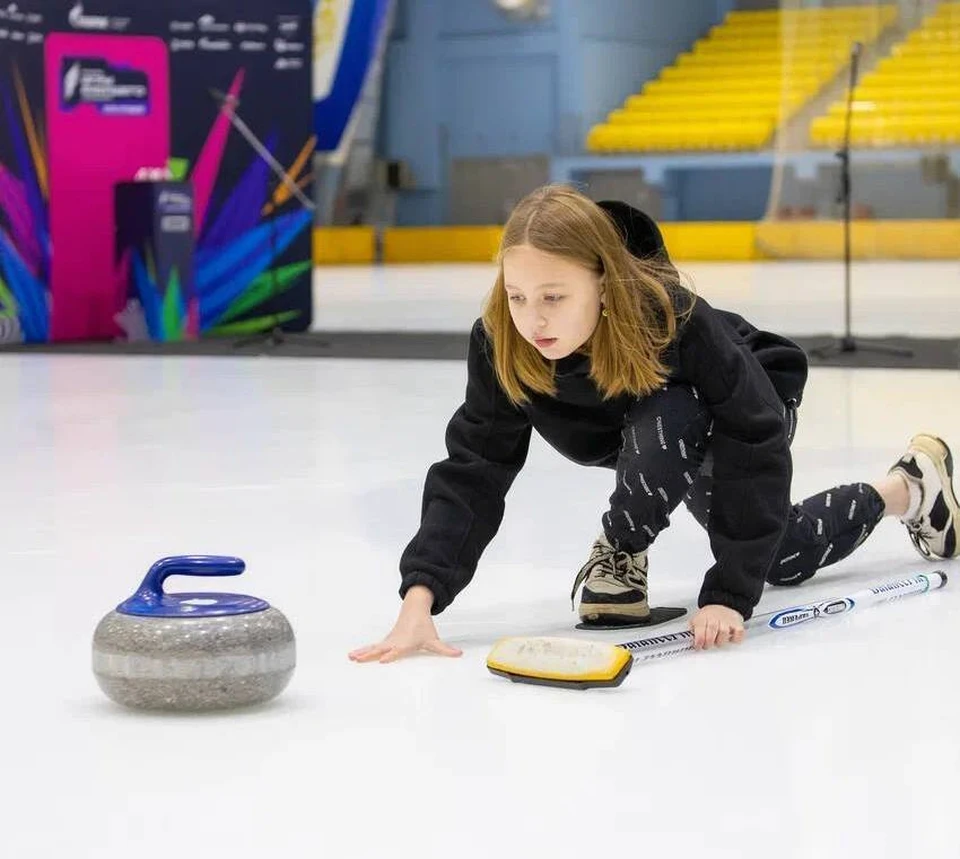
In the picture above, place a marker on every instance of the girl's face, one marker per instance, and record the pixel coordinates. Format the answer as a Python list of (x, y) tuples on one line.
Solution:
[(555, 304)]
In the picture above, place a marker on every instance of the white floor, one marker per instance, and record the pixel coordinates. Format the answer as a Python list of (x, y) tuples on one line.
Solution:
[(834, 740)]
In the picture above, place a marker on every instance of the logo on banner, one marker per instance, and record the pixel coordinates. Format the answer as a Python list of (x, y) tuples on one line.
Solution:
[(112, 91), (288, 24), (13, 13), (251, 28), (209, 24), (182, 26), (176, 224), (81, 21), (174, 203), (177, 45), (288, 63), (206, 44), (282, 46), (253, 46), (176, 210)]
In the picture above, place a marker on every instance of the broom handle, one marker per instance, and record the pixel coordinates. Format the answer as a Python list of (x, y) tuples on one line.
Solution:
[(665, 646)]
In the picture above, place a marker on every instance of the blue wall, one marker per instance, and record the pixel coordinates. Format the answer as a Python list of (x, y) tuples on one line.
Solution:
[(463, 81), (721, 194)]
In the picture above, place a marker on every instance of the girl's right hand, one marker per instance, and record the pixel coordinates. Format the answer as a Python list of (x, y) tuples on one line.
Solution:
[(413, 631)]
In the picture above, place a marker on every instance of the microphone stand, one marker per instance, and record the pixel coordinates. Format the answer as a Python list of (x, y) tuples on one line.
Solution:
[(848, 343), (276, 336)]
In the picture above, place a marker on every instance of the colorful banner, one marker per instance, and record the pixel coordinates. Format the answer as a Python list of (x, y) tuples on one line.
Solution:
[(253, 264)]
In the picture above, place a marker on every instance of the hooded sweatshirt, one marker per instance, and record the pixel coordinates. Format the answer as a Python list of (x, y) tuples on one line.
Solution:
[(746, 377)]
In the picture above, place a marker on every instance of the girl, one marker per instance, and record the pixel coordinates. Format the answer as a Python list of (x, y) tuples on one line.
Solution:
[(589, 337)]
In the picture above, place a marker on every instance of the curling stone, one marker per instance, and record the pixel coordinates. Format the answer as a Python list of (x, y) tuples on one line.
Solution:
[(193, 651)]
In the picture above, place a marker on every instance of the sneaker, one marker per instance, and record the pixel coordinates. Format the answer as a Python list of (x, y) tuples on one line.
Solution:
[(614, 585), (932, 519)]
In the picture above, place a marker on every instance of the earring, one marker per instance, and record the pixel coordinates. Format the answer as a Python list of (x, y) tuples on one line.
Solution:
[(605, 312)]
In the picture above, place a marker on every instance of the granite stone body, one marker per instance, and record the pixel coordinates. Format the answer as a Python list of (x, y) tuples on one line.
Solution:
[(194, 663)]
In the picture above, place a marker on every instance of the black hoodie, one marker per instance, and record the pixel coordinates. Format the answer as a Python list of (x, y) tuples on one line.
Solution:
[(744, 375)]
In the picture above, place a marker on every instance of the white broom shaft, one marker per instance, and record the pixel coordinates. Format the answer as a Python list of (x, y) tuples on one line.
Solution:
[(665, 646)]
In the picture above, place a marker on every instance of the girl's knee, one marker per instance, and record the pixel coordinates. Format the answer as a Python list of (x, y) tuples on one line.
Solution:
[(806, 548), (789, 575)]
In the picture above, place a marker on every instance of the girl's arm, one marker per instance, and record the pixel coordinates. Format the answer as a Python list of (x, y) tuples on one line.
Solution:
[(752, 471), (464, 495)]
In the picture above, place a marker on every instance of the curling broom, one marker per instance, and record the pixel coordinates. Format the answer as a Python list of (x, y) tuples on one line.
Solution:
[(571, 663)]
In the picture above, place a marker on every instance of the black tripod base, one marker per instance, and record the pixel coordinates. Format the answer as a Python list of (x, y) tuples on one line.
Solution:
[(273, 337), (849, 345), (276, 338)]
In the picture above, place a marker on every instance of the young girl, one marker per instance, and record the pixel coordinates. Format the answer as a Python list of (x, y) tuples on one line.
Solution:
[(589, 337)]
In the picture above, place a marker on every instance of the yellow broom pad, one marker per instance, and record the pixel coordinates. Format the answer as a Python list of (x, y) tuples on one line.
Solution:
[(549, 661)]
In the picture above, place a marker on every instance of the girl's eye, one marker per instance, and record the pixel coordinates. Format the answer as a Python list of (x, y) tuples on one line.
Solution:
[(553, 298), (516, 298)]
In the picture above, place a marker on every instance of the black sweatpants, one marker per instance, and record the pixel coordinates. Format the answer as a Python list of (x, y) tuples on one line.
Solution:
[(665, 458)]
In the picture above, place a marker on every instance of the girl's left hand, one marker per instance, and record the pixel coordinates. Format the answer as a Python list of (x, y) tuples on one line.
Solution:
[(716, 625)]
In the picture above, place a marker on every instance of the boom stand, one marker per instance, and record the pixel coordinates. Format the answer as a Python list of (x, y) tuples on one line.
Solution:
[(849, 344)]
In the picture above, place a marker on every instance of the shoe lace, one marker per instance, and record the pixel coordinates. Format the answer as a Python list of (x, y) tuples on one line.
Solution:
[(920, 536), (609, 564)]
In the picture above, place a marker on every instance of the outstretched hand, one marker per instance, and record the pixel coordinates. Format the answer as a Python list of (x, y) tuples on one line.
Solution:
[(414, 631), (404, 640), (716, 625)]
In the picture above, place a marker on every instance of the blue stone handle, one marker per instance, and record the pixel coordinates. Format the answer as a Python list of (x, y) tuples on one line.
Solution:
[(151, 601), (151, 588)]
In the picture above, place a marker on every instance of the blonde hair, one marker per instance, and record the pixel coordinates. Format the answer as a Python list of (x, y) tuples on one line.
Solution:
[(640, 297)]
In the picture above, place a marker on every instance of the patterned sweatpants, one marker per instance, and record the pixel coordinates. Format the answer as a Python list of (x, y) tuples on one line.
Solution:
[(665, 458)]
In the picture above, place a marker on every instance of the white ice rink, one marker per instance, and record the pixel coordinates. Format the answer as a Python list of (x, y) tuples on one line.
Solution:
[(839, 739)]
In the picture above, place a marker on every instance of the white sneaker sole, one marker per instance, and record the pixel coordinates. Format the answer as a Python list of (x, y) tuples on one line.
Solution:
[(936, 450)]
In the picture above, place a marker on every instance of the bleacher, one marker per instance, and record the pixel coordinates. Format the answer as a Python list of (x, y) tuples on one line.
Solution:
[(911, 98), (740, 82)]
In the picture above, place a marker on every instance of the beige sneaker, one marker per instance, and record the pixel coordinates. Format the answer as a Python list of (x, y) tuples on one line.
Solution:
[(614, 585), (932, 519)]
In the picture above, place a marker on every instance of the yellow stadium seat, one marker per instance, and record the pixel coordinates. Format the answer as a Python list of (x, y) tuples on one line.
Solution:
[(911, 97), (906, 107), (739, 83), (889, 131)]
